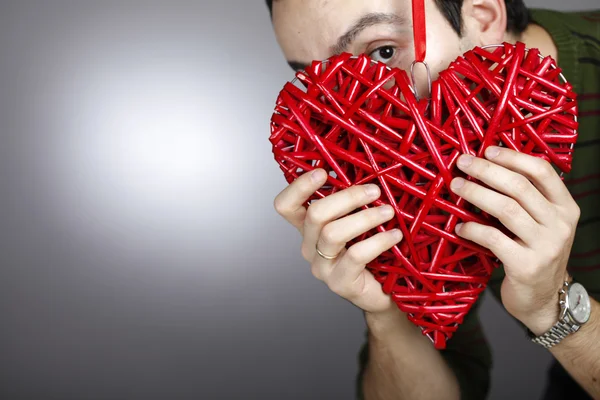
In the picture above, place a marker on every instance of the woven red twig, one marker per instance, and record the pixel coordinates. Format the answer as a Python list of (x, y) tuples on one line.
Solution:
[(360, 121)]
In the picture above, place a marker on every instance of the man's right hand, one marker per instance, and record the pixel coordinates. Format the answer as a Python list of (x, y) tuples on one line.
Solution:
[(402, 364), (326, 224)]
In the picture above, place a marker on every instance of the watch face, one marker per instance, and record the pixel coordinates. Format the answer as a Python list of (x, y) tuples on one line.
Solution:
[(579, 303)]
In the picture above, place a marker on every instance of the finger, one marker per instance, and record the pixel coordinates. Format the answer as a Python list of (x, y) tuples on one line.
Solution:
[(514, 185), (290, 202), (507, 250), (332, 207), (540, 172), (507, 210), (369, 293), (336, 234), (345, 278)]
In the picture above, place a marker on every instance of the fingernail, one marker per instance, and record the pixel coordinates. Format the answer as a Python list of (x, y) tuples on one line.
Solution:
[(386, 211), (396, 234), (492, 152), (317, 175), (458, 227), (457, 183), (465, 160), (371, 190)]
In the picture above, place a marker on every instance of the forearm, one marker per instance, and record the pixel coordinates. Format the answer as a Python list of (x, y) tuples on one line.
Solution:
[(403, 364), (579, 353)]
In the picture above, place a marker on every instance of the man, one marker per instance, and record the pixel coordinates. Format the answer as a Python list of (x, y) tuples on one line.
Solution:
[(556, 224)]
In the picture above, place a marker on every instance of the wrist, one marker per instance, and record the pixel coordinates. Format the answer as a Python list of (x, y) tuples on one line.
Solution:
[(542, 321), (388, 323), (547, 314)]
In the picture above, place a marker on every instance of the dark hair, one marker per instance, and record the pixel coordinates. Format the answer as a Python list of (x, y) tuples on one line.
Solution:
[(518, 16)]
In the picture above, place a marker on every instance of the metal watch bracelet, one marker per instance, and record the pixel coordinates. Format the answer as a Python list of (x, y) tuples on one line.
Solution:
[(558, 332)]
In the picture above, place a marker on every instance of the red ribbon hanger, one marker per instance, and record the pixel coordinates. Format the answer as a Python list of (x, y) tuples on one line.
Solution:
[(419, 30), (420, 39)]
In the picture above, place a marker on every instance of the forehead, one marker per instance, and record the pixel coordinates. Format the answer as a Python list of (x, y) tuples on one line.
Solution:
[(307, 30)]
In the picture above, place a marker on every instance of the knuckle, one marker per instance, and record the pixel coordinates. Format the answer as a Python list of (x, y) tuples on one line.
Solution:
[(511, 208), (492, 239), (313, 215), (520, 184), (329, 234), (280, 206), (543, 169), (353, 255)]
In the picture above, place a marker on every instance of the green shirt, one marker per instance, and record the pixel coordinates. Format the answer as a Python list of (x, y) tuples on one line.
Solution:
[(577, 36)]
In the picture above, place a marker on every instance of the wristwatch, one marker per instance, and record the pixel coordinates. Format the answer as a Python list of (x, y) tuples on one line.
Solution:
[(575, 310)]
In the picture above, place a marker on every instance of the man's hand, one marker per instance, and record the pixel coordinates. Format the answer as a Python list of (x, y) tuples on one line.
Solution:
[(403, 364), (327, 225), (531, 201)]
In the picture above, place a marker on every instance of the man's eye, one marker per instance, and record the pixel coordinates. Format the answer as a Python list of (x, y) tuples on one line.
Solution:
[(383, 54)]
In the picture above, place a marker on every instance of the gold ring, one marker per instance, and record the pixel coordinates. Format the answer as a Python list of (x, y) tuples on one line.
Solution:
[(324, 255)]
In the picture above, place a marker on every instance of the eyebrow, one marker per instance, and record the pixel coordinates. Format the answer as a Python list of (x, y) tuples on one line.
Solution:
[(364, 22)]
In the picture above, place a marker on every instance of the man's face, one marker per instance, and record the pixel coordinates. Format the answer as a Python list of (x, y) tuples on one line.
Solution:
[(310, 30)]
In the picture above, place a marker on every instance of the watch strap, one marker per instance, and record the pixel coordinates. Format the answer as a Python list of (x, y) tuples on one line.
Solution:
[(558, 332)]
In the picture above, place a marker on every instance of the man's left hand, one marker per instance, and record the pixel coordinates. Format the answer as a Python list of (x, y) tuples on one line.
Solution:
[(530, 200)]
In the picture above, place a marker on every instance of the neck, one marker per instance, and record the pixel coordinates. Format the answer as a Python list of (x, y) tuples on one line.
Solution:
[(537, 37)]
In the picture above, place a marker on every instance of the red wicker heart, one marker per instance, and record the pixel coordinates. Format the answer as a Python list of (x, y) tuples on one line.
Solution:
[(360, 121)]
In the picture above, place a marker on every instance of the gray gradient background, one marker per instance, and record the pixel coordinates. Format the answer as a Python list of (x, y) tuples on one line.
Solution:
[(141, 255)]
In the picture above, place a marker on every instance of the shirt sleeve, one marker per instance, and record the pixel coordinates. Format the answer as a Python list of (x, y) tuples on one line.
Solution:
[(467, 353)]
